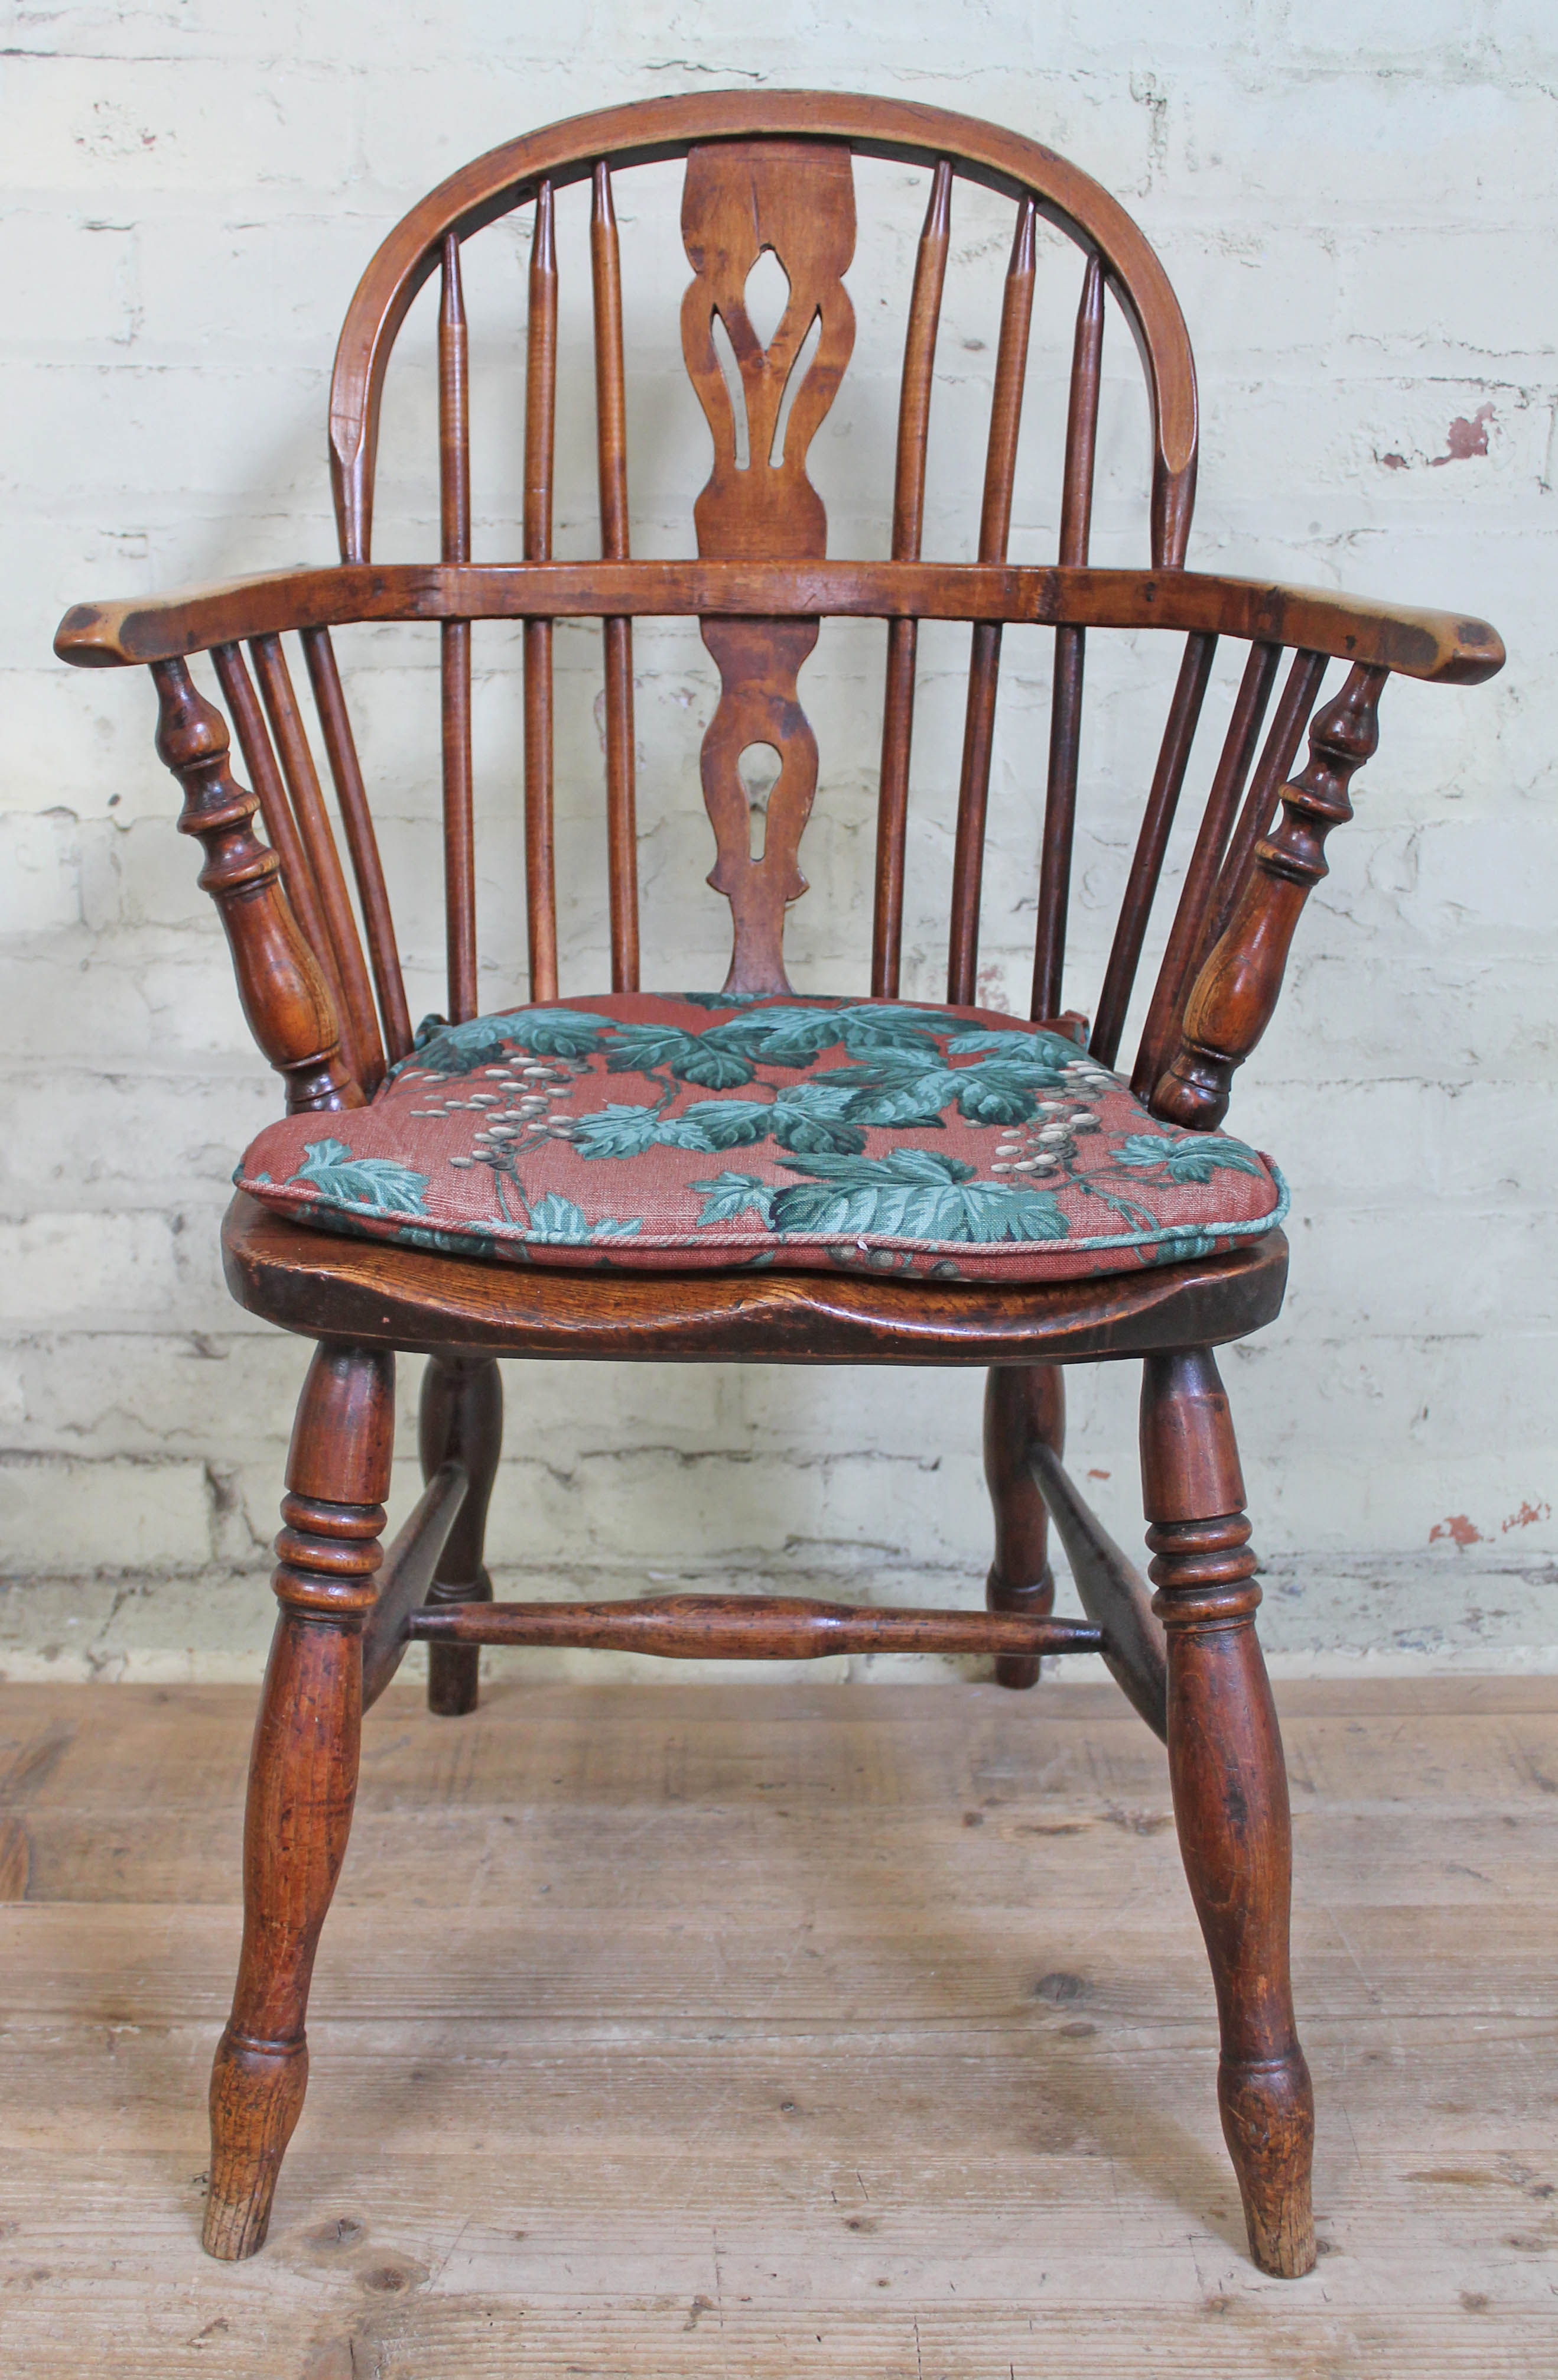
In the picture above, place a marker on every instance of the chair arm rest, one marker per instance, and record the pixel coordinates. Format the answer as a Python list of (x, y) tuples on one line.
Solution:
[(1435, 645), (166, 628), (1231, 1000), (1445, 648)]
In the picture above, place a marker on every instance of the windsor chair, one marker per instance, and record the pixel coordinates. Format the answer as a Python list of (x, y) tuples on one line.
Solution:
[(405, 1222)]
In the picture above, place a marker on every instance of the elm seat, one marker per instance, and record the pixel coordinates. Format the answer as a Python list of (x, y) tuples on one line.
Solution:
[(679, 1132)]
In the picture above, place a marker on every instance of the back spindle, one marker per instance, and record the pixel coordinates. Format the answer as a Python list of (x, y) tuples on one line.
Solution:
[(1146, 867), (1161, 1036), (611, 416), (909, 508), (454, 530), (540, 431), (1298, 699), (361, 842), (994, 524), (1066, 697), (360, 1044), (280, 830)]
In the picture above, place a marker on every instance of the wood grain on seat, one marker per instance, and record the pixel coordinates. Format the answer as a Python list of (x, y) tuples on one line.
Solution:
[(377, 1294)]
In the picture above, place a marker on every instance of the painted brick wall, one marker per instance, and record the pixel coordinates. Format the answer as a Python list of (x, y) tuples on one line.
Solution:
[(1356, 207)]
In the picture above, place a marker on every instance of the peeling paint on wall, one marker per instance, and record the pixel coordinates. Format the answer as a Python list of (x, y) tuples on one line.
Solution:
[(1465, 438)]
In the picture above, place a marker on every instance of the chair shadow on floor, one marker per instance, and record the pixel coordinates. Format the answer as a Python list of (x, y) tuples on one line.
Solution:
[(831, 1880)]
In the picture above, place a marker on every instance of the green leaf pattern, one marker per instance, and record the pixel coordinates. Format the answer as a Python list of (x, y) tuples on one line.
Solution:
[(1190, 1159), (912, 1194), (555, 1220), (374, 1185), (894, 1068)]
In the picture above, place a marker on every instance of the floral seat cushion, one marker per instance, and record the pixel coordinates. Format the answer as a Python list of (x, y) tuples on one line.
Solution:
[(715, 1130)]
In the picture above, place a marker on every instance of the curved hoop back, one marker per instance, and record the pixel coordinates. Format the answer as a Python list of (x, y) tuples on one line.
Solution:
[(770, 172), (651, 130)]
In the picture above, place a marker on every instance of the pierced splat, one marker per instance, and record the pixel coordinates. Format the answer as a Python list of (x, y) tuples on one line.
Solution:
[(774, 224)]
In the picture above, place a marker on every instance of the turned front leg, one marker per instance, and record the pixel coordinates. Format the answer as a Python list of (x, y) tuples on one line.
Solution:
[(461, 1421), (303, 1777), (1024, 1406), (1230, 1793)]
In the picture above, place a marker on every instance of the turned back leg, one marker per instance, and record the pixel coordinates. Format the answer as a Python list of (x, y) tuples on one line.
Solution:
[(303, 1777), (461, 1421), (1230, 1793), (1024, 1405)]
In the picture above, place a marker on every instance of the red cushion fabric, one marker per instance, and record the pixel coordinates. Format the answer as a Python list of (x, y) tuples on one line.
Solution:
[(672, 1131)]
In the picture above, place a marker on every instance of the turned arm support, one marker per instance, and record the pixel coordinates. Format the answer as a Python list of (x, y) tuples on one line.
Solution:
[(1235, 996), (289, 1010)]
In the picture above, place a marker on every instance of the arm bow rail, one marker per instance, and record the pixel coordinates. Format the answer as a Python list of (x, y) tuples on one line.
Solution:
[(1444, 647)]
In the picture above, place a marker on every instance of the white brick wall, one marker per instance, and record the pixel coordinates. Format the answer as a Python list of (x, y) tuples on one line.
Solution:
[(1355, 205)]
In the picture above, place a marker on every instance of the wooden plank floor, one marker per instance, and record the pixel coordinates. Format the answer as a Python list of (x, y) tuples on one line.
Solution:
[(772, 2029)]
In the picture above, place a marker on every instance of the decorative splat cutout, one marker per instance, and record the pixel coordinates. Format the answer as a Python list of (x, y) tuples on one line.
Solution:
[(767, 295), (767, 331), (805, 356), (741, 435), (758, 768)]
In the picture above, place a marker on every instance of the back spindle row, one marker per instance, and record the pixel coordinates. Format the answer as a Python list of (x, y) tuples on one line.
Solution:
[(298, 825)]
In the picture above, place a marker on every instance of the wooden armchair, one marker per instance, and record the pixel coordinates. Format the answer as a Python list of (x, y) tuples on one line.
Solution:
[(462, 1192)]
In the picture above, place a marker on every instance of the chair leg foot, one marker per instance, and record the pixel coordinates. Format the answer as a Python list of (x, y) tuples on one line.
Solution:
[(303, 1777), (1230, 1795), (462, 1421), (1268, 2123), (256, 2099), (1024, 1405)]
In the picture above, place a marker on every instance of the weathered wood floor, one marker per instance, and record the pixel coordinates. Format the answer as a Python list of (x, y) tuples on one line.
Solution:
[(780, 2029)]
